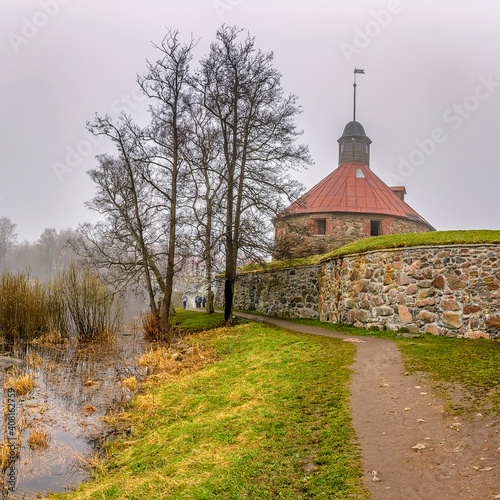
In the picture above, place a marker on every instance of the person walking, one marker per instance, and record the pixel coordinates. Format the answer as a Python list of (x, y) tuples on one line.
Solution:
[(204, 301), (184, 301)]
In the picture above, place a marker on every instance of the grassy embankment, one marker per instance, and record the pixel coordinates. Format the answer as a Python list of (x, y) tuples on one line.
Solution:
[(267, 418), (471, 366)]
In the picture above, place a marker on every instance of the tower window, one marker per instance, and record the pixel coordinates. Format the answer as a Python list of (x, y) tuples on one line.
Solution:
[(375, 228), (360, 146), (321, 226), (348, 146)]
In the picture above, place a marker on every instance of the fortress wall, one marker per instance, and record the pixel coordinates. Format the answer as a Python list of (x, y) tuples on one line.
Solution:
[(291, 292), (444, 290)]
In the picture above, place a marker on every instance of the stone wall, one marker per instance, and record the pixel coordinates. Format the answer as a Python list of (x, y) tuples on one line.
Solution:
[(341, 228), (448, 290), (445, 290), (291, 292)]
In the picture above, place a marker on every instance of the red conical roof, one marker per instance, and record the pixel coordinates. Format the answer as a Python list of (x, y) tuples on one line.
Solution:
[(352, 187)]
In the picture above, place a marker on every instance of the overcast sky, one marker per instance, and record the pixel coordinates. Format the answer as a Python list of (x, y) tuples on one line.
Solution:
[(429, 100)]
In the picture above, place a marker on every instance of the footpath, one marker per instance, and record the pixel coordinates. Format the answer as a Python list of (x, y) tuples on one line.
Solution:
[(411, 448)]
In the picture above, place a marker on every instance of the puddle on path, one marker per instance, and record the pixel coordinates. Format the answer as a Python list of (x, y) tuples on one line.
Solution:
[(70, 383)]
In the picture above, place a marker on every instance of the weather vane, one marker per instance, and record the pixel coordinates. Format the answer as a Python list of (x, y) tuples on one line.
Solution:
[(361, 72)]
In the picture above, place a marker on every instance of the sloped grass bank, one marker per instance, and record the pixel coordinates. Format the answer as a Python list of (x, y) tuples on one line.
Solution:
[(269, 419)]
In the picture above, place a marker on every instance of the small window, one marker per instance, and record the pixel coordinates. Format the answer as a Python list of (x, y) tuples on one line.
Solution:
[(321, 226), (342, 147), (375, 228), (359, 174), (348, 146), (360, 146)]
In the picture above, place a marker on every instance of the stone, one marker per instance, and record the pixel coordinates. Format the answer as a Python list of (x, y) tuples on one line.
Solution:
[(383, 311), (376, 301), (411, 289), (427, 316), (449, 305), (349, 303), (427, 273), (423, 293), (476, 335), (439, 282), (365, 304), (456, 283), (452, 320), (363, 316), (402, 279), (425, 302), (472, 308), (432, 329), (404, 314), (424, 283)]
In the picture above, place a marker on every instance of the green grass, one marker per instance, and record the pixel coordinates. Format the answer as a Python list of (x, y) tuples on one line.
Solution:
[(197, 321), (465, 372), (472, 237), (312, 260), (270, 419)]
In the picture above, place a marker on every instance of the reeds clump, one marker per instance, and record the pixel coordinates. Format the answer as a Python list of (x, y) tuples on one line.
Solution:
[(76, 304), (130, 383), (151, 326), (24, 307), (21, 382), (38, 439)]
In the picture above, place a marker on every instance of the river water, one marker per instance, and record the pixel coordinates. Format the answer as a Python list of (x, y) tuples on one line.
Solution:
[(76, 385)]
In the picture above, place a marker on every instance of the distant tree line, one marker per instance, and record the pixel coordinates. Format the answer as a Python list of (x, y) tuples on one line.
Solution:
[(45, 257)]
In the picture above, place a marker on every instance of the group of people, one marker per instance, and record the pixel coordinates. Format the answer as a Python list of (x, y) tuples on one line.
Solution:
[(199, 301)]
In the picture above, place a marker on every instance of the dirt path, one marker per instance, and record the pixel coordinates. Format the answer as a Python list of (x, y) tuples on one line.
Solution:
[(393, 412)]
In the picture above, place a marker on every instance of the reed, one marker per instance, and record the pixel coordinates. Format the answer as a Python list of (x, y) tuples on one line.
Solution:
[(21, 382), (75, 304), (38, 439)]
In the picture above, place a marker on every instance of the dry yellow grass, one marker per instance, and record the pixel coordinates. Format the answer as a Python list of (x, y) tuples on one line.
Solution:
[(130, 383), (162, 366), (52, 338), (38, 439), (89, 409), (21, 382)]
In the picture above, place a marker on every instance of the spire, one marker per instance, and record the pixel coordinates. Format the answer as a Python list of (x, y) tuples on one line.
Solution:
[(356, 72)]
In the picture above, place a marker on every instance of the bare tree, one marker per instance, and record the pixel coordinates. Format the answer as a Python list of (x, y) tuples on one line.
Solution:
[(243, 93), (166, 84), (129, 241), (8, 239)]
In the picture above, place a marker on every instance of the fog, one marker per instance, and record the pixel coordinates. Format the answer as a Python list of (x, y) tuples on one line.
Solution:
[(429, 99)]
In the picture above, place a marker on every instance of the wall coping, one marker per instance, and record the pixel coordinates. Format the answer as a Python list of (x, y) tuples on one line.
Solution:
[(279, 269), (414, 247)]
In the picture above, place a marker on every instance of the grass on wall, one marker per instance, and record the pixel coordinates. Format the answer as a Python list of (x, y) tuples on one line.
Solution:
[(435, 238)]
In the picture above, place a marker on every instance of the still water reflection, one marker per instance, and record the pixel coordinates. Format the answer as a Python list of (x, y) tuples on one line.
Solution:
[(76, 385)]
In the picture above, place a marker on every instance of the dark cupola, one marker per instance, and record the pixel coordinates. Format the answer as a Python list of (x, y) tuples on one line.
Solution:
[(354, 145)]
